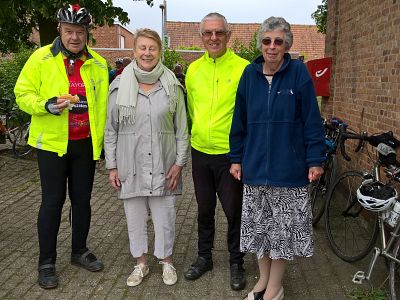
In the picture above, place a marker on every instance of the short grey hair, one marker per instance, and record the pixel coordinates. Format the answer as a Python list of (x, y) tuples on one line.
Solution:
[(214, 16), (272, 24)]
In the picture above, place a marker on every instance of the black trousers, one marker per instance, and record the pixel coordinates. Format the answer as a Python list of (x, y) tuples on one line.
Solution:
[(211, 177), (77, 169)]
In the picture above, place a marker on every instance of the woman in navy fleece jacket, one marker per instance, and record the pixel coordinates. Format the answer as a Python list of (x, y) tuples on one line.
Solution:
[(276, 147)]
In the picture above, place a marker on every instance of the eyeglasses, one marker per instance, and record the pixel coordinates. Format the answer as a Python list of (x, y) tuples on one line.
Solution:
[(218, 33), (269, 41)]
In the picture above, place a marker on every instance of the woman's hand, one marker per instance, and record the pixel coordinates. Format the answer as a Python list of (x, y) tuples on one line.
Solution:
[(314, 173), (236, 171), (173, 177), (114, 180)]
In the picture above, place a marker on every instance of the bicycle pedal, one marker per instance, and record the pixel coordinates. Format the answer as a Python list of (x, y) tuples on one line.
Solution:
[(359, 277)]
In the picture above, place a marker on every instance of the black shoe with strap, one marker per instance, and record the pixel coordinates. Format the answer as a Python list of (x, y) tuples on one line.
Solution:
[(87, 260), (198, 268), (238, 278), (47, 278)]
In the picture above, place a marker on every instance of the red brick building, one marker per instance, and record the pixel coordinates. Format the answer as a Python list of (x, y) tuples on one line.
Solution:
[(363, 40), (307, 40), (116, 41), (113, 42)]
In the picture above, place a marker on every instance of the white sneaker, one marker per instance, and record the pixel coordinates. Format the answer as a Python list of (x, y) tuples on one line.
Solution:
[(136, 277), (169, 273)]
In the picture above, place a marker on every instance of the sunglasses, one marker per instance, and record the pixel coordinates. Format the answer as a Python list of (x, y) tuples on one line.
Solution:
[(218, 33), (268, 41)]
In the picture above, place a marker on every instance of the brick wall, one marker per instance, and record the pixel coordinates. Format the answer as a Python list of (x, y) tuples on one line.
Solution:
[(108, 42), (363, 40)]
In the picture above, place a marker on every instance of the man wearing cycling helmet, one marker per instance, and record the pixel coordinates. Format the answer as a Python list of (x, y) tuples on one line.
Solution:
[(64, 86)]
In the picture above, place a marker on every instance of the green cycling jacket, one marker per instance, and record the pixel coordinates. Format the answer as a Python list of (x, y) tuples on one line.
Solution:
[(44, 77), (211, 92)]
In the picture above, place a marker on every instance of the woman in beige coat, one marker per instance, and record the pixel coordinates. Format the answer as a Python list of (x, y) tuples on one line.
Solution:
[(146, 144)]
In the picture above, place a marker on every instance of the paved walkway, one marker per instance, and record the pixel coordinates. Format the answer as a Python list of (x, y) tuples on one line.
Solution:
[(323, 276)]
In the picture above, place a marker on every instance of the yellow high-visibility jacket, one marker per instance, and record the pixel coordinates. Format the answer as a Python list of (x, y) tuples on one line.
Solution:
[(44, 77), (211, 92)]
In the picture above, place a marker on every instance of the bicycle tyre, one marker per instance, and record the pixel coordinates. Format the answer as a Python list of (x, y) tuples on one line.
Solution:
[(351, 230), (20, 145), (394, 273), (319, 190)]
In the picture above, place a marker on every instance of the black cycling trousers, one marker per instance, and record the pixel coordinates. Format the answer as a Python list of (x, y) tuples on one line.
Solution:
[(211, 177), (77, 169)]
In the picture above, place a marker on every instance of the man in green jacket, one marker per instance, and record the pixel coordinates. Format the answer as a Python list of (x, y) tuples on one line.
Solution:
[(64, 86), (211, 83)]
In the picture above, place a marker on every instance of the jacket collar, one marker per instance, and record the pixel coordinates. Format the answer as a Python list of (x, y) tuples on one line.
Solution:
[(58, 47), (222, 58), (257, 63)]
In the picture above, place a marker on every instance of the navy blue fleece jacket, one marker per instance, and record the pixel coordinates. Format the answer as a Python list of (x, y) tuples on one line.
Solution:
[(276, 133)]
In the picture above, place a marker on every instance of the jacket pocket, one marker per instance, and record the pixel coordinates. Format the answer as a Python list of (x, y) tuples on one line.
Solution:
[(126, 145), (168, 149)]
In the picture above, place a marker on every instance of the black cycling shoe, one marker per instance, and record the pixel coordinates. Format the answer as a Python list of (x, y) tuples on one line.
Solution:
[(198, 268), (238, 278), (87, 261), (47, 278)]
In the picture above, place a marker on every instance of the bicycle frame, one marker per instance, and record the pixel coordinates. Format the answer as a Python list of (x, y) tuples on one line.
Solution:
[(386, 249)]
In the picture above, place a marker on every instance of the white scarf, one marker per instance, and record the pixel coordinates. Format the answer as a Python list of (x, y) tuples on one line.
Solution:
[(129, 88)]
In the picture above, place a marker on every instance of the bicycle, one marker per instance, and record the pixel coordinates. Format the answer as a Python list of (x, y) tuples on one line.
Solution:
[(319, 189), (14, 129), (9, 127), (354, 223), (20, 144)]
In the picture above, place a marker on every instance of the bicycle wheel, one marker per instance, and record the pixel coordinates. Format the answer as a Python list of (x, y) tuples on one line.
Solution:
[(12, 132), (20, 145), (320, 188), (394, 273), (351, 230)]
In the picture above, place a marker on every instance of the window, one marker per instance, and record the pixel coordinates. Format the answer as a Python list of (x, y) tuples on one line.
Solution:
[(122, 42)]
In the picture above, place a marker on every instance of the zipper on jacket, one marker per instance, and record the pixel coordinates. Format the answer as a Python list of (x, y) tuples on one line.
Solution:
[(214, 94), (268, 104)]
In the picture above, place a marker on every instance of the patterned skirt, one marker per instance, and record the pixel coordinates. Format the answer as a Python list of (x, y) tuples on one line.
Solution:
[(276, 221)]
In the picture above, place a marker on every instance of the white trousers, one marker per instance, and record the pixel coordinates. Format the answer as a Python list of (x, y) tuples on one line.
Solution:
[(163, 215)]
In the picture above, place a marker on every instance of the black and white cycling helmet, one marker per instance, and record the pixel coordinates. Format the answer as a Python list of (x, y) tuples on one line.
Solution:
[(74, 14), (375, 196)]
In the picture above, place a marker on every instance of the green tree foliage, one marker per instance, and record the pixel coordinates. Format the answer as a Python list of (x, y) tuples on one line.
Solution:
[(18, 17), (251, 52), (171, 58), (10, 67), (320, 16)]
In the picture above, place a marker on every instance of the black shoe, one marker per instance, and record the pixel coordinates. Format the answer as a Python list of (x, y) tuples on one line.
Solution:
[(47, 278), (198, 268), (87, 261), (238, 279), (255, 295)]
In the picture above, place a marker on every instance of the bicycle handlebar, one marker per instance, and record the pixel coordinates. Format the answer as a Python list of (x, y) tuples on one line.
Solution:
[(373, 140), (344, 135)]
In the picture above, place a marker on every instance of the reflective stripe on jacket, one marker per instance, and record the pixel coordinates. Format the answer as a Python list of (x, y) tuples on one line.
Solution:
[(211, 90), (44, 77)]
